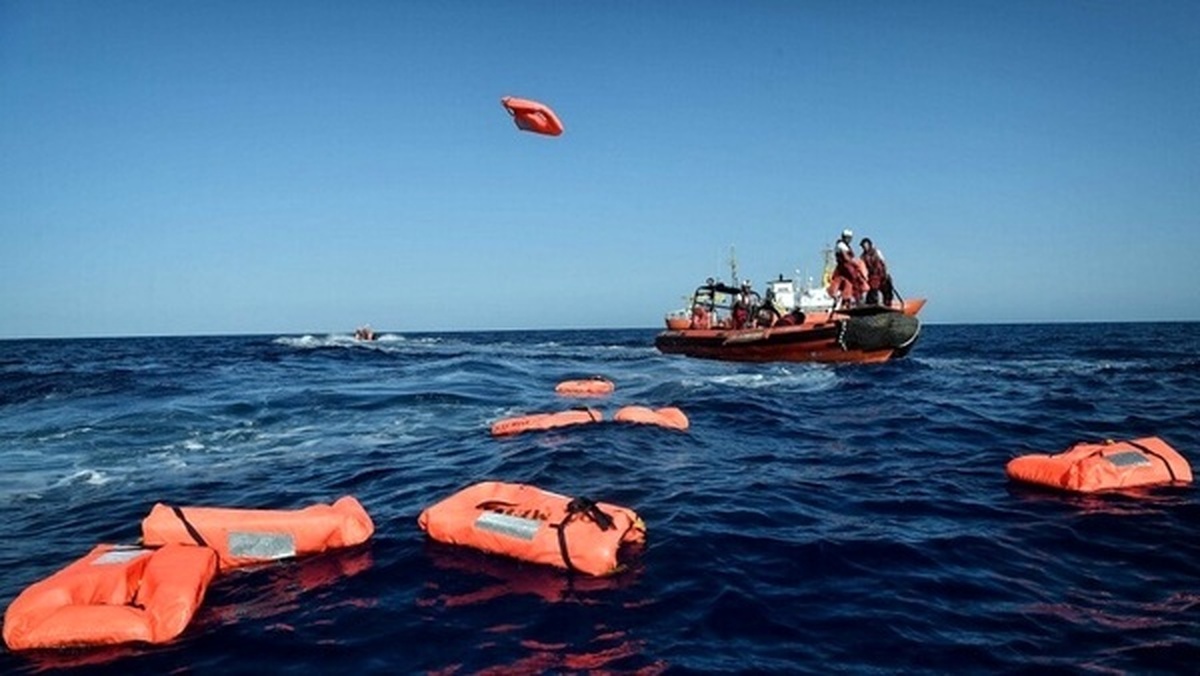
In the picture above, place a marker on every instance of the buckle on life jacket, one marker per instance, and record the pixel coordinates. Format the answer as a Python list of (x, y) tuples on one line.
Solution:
[(585, 507), (591, 510)]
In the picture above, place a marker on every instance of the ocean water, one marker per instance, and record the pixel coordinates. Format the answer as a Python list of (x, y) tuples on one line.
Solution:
[(813, 519)]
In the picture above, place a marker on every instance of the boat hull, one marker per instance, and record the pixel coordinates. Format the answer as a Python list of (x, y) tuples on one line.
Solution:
[(860, 339)]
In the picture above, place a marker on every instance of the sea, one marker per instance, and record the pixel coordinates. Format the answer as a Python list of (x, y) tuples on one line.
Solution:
[(813, 518)]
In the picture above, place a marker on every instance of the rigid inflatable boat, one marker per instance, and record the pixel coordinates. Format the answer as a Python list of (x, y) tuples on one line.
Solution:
[(247, 536), (735, 323), (528, 523), (1090, 467), (545, 421), (112, 595), (669, 417), (590, 387), (867, 335)]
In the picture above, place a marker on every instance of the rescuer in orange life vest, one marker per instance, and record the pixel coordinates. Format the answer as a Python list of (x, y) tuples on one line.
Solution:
[(849, 280), (742, 306), (879, 281)]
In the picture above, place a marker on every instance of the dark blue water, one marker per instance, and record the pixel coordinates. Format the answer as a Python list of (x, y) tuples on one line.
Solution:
[(813, 518)]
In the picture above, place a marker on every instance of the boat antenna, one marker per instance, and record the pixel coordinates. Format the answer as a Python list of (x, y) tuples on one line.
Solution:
[(733, 266)]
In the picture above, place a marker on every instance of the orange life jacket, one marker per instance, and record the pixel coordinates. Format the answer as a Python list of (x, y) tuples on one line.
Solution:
[(247, 536), (545, 421), (876, 269), (528, 523), (1089, 467), (670, 416), (590, 387), (112, 595)]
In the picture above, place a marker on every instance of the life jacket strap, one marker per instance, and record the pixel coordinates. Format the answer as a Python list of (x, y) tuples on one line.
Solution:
[(591, 412), (191, 530), (1156, 455), (580, 507)]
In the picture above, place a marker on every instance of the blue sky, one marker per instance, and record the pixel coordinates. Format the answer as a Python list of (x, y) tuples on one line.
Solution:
[(306, 167)]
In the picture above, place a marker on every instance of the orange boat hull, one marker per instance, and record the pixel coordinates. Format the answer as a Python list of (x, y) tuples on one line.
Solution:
[(912, 306), (829, 338)]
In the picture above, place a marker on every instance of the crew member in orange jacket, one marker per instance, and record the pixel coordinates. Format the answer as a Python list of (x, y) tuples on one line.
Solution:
[(879, 281), (849, 281)]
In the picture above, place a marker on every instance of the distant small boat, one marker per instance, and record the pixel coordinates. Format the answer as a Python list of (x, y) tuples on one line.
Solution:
[(364, 333)]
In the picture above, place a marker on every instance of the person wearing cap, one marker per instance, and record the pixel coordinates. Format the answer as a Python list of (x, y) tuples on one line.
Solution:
[(879, 281), (849, 281)]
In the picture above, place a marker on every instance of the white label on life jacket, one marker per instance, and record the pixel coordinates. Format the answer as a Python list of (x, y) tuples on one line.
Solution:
[(262, 546), (513, 526), (119, 556)]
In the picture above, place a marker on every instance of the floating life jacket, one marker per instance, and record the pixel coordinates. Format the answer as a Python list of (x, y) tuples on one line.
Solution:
[(1089, 467), (545, 421), (664, 417), (247, 536), (596, 386), (528, 523), (114, 594)]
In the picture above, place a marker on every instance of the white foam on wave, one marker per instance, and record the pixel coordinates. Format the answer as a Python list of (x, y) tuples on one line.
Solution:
[(1026, 367), (312, 342), (90, 477), (300, 342), (809, 380), (64, 434)]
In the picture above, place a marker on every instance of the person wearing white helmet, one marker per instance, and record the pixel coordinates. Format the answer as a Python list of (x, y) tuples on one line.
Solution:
[(843, 244), (849, 281)]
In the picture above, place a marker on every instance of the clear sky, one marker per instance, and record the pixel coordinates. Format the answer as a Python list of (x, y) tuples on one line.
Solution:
[(306, 167)]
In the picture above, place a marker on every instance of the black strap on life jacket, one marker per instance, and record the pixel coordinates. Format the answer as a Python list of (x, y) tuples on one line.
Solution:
[(577, 507), (191, 530), (1153, 453), (591, 413)]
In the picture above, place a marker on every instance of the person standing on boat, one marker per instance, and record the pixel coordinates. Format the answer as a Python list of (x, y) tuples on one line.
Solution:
[(879, 281), (742, 306), (849, 281)]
